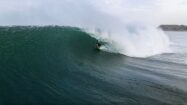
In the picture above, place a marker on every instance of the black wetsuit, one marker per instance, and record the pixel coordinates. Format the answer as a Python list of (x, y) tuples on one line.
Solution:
[(98, 45)]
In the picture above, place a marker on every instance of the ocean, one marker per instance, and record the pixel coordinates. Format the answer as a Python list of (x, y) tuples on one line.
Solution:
[(59, 65)]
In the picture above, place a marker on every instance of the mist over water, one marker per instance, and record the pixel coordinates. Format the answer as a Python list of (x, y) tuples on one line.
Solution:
[(111, 22)]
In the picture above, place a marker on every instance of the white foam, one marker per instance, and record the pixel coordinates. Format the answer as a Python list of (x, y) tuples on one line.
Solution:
[(141, 41)]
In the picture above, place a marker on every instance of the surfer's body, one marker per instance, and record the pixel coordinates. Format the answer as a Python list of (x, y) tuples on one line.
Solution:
[(98, 45)]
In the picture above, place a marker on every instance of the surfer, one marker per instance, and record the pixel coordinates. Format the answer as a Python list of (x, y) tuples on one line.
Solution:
[(98, 45)]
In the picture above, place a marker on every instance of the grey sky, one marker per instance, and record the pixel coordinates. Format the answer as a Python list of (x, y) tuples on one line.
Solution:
[(94, 12)]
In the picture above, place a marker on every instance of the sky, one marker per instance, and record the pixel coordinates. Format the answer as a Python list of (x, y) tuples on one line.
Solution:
[(92, 12)]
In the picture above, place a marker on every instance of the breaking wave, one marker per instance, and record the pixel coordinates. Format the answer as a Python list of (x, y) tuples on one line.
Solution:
[(133, 41)]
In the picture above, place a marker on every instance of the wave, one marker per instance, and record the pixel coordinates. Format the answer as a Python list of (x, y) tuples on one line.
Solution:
[(111, 18), (132, 41)]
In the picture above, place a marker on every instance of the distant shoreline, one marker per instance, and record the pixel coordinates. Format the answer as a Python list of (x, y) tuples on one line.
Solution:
[(163, 27), (173, 27)]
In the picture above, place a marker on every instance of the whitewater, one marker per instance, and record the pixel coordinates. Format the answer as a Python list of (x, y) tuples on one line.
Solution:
[(139, 41)]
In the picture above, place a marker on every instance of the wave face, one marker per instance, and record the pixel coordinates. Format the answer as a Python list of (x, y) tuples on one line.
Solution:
[(59, 65)]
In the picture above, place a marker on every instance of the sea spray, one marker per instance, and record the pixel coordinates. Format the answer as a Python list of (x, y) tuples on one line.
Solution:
[(134, 41)]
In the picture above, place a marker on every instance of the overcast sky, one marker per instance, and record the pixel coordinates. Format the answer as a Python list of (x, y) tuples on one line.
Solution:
[(78, 12)]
